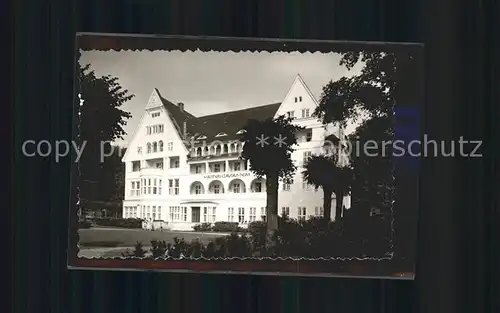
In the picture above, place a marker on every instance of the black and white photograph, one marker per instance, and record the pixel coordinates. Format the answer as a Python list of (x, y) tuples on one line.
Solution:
[(220, 155)]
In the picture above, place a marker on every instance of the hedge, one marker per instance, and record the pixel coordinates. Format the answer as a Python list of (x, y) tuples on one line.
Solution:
[(223, 227), (312, 238), (119, 222)]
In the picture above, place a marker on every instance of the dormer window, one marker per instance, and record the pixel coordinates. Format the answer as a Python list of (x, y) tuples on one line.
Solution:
[(155, 114), (202, 137), (221, 135), (241, 132)]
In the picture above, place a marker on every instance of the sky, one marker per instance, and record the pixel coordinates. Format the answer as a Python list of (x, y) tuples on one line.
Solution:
[(212, 82)]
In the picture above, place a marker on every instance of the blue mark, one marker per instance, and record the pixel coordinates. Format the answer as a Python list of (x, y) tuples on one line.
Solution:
[(406, 130)]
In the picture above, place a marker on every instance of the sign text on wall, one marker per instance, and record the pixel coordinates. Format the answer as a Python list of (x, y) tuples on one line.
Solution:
[(228, 175)]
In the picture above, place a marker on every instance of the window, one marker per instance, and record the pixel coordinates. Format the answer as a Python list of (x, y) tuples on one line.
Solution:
[(318, 211), (241, 215), (159, 213), (306, 156), (258, 187), (217, 188), (139, 150), (136, 188), (154, 186), (161, 145), (159, 186), (173, 186), (155, 114), (170, 146), (236, 188), (221, 135), (178, 214), (202, 137), (197, 169), (136, 166), (174, 162), (305, 113), (290, 114), (286, 187), (309, 135), (148, 130), (161, 128), (216, 168), (253, 212), (155, 147), (149, 186), (296, 99), (149, 147), (230, 214), (263, 213), (197, 189), (213, 214), (209, 214), (237, 166), (143, 185), (154, 212), (240, 132), (300, 99), (285, 211), (159, 165), (302, 211)]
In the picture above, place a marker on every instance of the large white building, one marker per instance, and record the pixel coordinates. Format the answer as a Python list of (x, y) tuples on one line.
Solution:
[(170, 179)]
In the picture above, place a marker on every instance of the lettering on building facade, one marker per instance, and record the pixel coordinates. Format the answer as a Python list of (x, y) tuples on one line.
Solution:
[(229, 175)]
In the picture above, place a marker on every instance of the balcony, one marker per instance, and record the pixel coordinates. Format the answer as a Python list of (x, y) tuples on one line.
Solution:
[(151, 171)]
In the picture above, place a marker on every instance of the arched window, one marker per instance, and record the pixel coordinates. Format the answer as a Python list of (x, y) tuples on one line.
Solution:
[(218, 150), (225, 149), (161, 145), (149, 147), (155, 147), (198, 151)]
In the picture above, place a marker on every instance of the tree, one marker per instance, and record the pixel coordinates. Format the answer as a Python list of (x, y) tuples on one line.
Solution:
[(268, 145), (374, 175), (323, 171), (370, 96), (101, 122)]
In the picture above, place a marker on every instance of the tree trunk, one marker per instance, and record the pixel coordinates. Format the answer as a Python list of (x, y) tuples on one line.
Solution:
[(339, 203), (327, 204), (271, 207)]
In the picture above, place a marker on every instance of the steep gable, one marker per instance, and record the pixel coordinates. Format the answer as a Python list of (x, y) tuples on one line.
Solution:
[(298, 97), (169, 117)]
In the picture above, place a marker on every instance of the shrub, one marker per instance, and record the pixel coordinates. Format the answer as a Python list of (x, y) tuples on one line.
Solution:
[(138, 251), (203, 227), (119, 222), (84, 224), (158, 248), (228, 227), (258, 235)]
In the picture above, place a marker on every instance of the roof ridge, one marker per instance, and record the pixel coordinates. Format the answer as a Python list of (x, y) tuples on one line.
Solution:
[(238, 111)]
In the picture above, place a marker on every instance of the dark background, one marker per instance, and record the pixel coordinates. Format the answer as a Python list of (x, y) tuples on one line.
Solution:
[(457, 268)]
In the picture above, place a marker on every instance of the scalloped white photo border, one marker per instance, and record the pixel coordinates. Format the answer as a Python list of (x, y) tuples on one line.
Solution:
[(388, 255)]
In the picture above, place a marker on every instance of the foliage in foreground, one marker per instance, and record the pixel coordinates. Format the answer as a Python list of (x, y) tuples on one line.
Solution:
[(354, 235)]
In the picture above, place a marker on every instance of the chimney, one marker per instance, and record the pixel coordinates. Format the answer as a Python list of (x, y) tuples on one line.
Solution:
[(184, 128), (181, 106)]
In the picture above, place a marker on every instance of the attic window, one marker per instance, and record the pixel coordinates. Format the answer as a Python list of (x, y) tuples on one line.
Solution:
[(155, 114), (221, 135), (202, 137), (241, 131)]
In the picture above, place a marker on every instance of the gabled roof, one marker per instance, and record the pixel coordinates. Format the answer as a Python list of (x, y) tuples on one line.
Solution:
[(229, 122), (212, 125)]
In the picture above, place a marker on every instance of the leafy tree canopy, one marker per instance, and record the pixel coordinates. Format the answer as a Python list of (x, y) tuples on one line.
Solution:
[(369, 94), (268, 144)]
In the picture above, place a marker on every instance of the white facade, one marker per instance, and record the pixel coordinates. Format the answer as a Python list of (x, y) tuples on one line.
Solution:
[(166, 181)]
